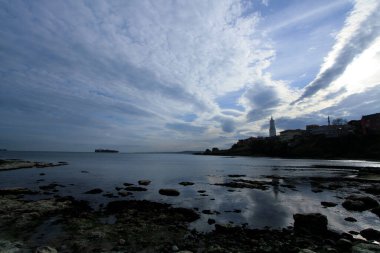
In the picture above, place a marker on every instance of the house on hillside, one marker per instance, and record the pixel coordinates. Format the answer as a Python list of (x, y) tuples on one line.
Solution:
[(371, 124), (288, 135)]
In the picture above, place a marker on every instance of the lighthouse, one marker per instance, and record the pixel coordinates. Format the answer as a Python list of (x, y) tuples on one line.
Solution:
[(272, 128)]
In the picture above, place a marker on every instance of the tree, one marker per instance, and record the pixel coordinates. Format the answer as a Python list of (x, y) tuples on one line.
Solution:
[(339, 122)]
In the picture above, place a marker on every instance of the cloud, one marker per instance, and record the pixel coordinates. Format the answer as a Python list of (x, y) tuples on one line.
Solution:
[(361, 29)]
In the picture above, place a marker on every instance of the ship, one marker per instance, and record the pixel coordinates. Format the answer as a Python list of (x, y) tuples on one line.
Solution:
[(100, 150)]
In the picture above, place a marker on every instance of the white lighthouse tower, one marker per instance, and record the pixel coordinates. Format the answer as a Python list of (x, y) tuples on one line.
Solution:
[(272, 128)]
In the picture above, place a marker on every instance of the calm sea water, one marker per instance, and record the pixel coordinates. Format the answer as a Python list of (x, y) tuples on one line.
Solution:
[(273, 207)]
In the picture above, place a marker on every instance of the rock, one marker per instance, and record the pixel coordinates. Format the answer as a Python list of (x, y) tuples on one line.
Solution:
[(144, 182), (135, 188), (186, 183), (353, 232), (185, 251), (201, 191), (344, 245), (117, 188), (127, 184), (175, 248), (315, 223), (45, 249), (328, 204), (94, 191), (124, 193), (121, 241), (236, 175), (350, 219), (376, 211), (359, 203), (370, 234), (169, 192), (366, 248), (211, 221), (84, 171), (42, 174), (50, 187), (373, 189), (306, 251), (16, 191)]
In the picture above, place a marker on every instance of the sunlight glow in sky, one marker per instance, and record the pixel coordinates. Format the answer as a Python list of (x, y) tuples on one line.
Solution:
[(156, 75)]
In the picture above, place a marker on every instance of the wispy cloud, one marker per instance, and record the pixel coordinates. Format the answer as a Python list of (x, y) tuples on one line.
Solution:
[(361, 29)]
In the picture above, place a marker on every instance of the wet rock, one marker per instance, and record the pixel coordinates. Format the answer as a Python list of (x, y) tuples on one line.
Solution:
[(350, 219), (169, 192), (376, 211), (344, 245), (175, 248), (317, 190), (127, 184), (46, 249), (186, 183), (366, 248), (201, 191), (50, 187), (144, 182), (242, 183), (211, 221), (306, 251), (359, 203), (124, 193), (42, 174), (373, 189), (16, 191), (109, 195), (135, 188), (121, 241), (117, 188), (328, 204), (94, 191), (315, 223), (237, 211), (236, 175), (84, 171), (370, 234)]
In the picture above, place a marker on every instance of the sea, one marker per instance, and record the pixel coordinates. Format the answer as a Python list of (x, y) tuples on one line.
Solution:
[(253, 208)]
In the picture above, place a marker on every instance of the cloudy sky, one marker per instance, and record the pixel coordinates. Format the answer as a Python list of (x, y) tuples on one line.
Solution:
[(181, 75)]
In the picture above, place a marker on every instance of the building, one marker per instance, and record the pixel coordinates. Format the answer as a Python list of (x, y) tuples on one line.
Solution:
[(371, 124), (289, 135), (272, 128), (331, 131)]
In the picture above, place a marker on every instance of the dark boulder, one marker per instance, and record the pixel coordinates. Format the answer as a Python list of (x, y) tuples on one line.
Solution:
[(186, 183), (169, 192), (144, 182), (328, 204), (359, 203), (376, 211), (370, 234), (350, 219), (94, 191), (314, 223), (135, 188)]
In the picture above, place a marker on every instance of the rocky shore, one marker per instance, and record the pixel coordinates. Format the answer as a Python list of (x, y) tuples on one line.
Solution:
[(55, 223), (15, 164)]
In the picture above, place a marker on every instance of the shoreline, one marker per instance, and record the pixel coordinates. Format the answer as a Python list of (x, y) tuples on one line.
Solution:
[(47, 218), (15, 164)]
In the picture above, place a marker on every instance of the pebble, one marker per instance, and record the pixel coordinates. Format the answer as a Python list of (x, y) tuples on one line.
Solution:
[(46, 249), (175, 248)]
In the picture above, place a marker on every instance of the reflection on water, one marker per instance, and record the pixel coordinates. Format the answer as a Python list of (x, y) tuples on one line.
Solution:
[(288, 191)]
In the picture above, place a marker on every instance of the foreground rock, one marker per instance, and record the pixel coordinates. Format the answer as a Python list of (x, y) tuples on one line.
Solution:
[(359, 203), (314, 223), (169, 192), (186, 183), (16, 191), (371, 234)]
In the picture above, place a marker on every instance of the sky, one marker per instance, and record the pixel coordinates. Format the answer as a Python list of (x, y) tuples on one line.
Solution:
[(173, 75)]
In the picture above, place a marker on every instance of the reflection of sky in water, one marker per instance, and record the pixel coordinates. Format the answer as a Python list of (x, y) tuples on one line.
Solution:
[(273, 207)]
